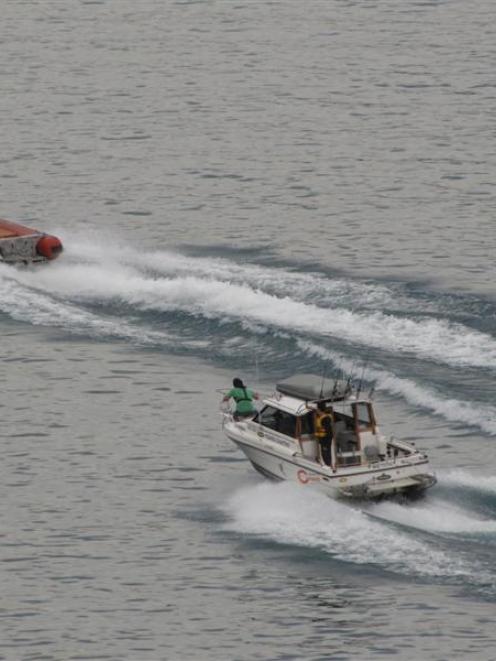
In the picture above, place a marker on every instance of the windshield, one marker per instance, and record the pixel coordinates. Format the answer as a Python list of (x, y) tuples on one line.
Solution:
[(279, 421)]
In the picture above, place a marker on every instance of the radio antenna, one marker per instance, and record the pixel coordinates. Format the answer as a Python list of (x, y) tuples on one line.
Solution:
[(257, 373), (349, 386), (359, 389), (322, 382)]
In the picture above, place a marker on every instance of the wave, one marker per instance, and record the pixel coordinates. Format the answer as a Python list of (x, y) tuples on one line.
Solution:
[(314, 286), (435, 517), (28, 305), (287, 514), (474, 493), (477, 415), (117, 279), (460, 478)]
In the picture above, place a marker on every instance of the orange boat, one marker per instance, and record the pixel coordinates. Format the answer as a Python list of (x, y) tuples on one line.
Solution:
[(25, 245)]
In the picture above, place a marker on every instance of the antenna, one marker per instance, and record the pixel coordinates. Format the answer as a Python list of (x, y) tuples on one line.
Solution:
[(257, 374), (340, 377), (349, 387), (334, 388), (322, 382), (361, 378)]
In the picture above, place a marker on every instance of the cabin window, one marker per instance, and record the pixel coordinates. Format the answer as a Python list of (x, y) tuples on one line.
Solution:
[(362, 416), (344, 422), (279, 421), (306, 422)]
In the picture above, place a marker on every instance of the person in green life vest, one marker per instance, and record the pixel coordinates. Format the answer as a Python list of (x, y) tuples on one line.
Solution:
[(243, 397)]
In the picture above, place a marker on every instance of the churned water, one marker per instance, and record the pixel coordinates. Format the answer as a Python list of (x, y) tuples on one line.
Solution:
[(244, 189)]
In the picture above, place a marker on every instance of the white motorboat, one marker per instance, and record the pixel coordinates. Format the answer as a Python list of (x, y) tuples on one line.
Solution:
[(281, 444)]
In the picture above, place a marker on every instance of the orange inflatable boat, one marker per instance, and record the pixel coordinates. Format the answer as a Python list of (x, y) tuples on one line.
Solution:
[(25, 245)]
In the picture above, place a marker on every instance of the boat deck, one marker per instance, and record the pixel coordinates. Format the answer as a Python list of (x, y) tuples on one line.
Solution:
[(10, 230)]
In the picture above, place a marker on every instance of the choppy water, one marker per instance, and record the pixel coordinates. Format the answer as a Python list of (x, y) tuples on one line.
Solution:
[(252, 189)]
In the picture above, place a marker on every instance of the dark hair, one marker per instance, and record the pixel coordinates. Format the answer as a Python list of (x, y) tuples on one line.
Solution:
[(237, 383)]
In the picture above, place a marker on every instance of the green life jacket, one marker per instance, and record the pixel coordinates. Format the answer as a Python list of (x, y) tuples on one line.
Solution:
[(243, 398)]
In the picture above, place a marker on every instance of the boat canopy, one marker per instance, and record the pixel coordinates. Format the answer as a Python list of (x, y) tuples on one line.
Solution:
[(314, 388)]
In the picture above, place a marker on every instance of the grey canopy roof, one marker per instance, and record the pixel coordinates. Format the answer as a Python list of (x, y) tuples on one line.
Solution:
[(312, 387)]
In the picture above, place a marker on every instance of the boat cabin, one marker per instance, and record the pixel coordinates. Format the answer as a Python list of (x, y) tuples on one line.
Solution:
[(292, 410)]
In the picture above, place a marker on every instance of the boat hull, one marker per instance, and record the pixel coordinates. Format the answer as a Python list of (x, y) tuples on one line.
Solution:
[(25, 245)]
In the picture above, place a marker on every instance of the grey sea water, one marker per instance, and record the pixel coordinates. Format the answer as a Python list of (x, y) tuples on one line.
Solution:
[(244, 189)]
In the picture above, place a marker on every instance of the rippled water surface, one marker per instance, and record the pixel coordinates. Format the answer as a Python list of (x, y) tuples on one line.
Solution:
[(253, 189)]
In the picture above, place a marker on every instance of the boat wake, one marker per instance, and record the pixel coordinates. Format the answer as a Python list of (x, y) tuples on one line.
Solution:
[(482, 416), (479, 485), (185, 286), (42, 308), (231, 311), (434, 516), (430, 539)]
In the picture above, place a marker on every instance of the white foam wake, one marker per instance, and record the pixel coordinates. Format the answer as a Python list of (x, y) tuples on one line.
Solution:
[(24, 304), (315, 287), (289, 514), (461, 478), (454, 410), (114, 282), (439, 517)]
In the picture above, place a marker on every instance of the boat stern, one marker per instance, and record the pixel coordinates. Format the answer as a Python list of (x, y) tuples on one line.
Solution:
[(386, 485)]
